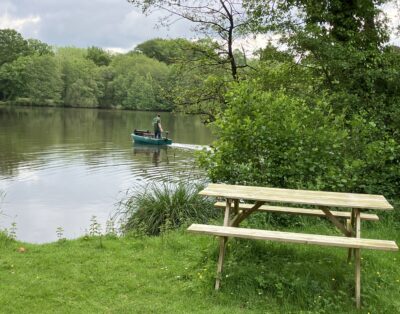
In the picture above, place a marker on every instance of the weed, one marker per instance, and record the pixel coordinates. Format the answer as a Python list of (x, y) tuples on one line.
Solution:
[(111, 230), (12, 232), (95, 230), (60, 234)]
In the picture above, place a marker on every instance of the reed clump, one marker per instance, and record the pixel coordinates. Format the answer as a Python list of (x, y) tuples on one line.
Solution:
[(160, 207)]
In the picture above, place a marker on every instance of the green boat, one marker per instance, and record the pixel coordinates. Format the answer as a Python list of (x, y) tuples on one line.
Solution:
[(146, 137)]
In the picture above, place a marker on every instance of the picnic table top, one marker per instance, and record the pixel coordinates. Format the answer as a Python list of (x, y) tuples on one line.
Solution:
[(319, 198)]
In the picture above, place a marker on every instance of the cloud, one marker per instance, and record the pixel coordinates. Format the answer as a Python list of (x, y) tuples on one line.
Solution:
[(102, 23), (7, 21), (112, 24), (29, 24)]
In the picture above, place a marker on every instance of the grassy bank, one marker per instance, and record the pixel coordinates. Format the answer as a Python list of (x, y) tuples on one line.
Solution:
[(174, 273)]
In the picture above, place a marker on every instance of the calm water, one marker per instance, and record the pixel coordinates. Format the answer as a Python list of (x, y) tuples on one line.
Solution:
[(59, 167)]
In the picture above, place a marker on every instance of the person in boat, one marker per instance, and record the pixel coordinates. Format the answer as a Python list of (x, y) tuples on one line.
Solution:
[(157, 126)]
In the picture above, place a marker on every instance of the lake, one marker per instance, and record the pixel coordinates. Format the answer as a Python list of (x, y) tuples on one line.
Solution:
[(61, 166)]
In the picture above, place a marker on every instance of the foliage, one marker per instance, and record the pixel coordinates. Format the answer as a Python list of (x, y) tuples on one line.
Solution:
[(36, 47), (201, 81), (33, 74), (35, 77), (272, 139), (98, 56), (139, 82), (162, 207), (12, 46), (44, 80), (82, 83), (343, 44), (13, 78), (169, 51)]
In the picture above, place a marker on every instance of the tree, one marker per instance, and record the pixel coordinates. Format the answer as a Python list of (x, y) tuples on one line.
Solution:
[(169, 51), (98, 56), (35, 78), (39, 48), (82, 80), (224, 20), (13, 78), (139, 82), (12, 46), (44, 84), (339, 39), (199, 83)]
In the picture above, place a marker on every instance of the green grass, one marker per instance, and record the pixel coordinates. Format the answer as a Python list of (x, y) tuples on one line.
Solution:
[(174, 273)]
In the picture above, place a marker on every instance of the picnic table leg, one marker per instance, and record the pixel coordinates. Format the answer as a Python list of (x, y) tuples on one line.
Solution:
[(222, 244), (357, 258), (348, 221), (350, 227)]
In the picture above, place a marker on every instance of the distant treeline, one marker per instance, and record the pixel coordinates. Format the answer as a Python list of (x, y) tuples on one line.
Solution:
[(151, 77)]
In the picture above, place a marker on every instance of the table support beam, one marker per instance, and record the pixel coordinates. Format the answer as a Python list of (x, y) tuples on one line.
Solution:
[(335, 221), (236, 206), (242, 216)]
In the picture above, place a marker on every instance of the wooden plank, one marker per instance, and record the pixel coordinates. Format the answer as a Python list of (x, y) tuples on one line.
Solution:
[(220, 264), (236, 206), (301, 211), (294, 237), (244, 214), (336, 222), (330, 199), (357, 258), (349, 227), (222, 246)]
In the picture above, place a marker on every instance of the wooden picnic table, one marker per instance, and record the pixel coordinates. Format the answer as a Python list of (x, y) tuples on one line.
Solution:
[(351, 205)]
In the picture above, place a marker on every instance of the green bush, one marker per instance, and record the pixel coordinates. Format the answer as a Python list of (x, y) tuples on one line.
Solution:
[(272, 139), (161, 207)]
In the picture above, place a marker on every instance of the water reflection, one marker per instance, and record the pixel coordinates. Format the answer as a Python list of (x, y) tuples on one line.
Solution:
[(58, 167), (156, 153)]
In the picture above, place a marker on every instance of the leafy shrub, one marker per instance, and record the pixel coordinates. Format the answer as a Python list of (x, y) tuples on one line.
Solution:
[(273, 139), (166, 206), (267, 138)]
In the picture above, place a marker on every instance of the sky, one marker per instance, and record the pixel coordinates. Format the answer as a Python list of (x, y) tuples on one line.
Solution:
[(110, 24)]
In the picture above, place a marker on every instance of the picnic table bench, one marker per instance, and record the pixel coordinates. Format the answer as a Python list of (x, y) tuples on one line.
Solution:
[(347, 220)]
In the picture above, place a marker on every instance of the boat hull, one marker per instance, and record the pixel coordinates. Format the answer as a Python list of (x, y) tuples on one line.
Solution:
[(150, 140)]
